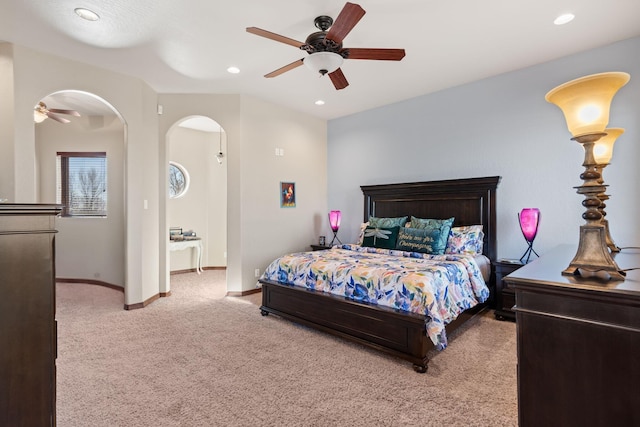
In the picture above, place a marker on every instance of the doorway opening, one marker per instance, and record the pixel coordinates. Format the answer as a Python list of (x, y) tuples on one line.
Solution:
[(81, 164), (196, 195)]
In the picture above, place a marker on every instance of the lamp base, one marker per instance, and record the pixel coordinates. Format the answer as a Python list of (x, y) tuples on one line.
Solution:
[(593, 254), (335, 237), (610, 243), (527, 253)]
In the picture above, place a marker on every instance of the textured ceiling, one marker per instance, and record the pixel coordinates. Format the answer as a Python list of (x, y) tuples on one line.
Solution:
[(186, 46)]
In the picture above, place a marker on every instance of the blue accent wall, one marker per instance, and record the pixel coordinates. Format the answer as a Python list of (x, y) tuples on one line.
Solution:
[(497, 126)]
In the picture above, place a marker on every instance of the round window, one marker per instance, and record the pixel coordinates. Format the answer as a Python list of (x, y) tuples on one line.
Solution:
[(178, 180)]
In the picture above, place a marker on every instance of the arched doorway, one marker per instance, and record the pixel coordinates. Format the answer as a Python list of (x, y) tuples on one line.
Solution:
[(90, 245), (197, 192)]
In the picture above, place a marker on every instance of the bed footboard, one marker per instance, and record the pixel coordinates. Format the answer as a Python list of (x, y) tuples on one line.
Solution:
[(397, 333)]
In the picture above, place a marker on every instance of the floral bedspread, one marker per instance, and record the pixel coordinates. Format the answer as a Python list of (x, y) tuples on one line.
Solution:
[(437, 286)]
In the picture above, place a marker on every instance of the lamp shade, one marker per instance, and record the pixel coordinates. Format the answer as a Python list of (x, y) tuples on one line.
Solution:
[(603, 150), (39, 116), (529, 219), (585, 102), (334, 220), (323, 62)]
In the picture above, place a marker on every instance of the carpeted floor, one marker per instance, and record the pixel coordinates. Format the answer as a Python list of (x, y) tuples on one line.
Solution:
[(198, 358)]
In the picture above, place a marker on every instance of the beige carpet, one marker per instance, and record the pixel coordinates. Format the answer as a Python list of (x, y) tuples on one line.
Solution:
[(198, 358)]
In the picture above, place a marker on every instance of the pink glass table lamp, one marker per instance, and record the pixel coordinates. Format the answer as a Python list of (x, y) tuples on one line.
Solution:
[(529, 219), (334, 221)]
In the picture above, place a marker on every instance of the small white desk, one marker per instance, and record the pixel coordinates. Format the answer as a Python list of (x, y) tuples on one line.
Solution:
[(185, 244)]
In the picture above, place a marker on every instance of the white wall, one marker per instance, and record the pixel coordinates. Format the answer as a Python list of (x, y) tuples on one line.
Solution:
[(86, 248), (497, 126), (203, 208), (216, 255), (136, 103), (269, 230), (257, 229)]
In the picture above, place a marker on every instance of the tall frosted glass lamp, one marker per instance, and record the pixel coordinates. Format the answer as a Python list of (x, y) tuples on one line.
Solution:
[(602, 153), (585, 103), (334, 222), (529, 219)]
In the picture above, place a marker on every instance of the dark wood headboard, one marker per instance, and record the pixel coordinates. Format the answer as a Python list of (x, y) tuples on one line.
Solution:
[(471, 201)]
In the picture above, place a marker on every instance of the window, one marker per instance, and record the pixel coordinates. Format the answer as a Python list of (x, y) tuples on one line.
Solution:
[(178, 180), (82, 184)]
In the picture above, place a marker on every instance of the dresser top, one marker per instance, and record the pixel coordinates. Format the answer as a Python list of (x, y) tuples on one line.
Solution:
[(548, 269), (29, 209)]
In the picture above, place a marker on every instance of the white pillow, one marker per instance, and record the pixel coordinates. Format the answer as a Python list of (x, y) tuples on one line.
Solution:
[(363, 226)]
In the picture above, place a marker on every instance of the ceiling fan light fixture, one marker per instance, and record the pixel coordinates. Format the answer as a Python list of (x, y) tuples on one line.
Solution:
[(325, 49), (323, 62), (39, 116)]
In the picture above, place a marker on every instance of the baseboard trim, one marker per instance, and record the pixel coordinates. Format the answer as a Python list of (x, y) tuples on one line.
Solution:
[(243, 293), (188, 270), (193, 270), (142, 304), (90, 282)]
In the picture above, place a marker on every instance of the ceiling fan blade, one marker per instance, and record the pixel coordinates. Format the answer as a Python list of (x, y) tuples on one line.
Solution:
[(338, 79), (56, 118), (349, 16), (379, 54), (70, 112), (284, 69), (273, 36)]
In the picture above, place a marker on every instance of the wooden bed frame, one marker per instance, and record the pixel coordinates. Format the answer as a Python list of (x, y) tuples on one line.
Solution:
[(471, 201)]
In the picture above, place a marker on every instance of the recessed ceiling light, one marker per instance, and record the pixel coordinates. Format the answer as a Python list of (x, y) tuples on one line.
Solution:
[(563, 19), (319, 102), (87, 14), (233, 70)]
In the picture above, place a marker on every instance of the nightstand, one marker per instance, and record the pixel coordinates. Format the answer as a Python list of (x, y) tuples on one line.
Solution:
[(505, 296), (320, 247)]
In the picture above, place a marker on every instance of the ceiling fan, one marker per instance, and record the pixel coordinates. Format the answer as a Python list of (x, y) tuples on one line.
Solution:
[(41, 113), (325, 50)]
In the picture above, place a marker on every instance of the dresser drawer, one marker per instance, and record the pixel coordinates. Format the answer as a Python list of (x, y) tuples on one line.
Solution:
[(508, 299)]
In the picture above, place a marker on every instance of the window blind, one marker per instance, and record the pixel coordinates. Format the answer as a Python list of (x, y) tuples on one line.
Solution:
[(82, 183)]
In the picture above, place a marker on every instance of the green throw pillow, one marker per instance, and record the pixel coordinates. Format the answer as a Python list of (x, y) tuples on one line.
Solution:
[(380, 237), (425, 240), (387, 222), (443, 225)]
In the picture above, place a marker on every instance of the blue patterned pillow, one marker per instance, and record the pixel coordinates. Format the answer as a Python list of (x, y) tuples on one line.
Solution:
[(380, 237), (387, 222), (425, 240), (466, 240), (443, 225)]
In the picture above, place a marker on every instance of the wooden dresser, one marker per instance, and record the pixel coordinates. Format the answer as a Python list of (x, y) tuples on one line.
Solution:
[(28, 343), (578, 344)]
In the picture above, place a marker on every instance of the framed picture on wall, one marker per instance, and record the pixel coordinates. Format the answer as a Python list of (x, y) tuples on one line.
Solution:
[(287, 194)]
